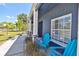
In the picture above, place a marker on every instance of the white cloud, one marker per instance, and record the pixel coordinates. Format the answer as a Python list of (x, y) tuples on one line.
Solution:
[(10, 17)]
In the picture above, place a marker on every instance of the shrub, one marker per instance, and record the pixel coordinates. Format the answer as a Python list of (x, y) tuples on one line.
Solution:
[(31, 49)]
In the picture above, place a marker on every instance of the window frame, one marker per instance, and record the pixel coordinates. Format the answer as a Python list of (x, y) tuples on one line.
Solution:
[(59, 18)]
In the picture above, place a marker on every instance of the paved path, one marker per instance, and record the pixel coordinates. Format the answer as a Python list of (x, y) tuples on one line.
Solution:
[(17, 49), (6, 46)]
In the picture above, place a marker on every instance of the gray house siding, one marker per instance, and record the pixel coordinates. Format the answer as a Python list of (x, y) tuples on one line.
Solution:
[(60, 10), (74, 30), (45, 7)]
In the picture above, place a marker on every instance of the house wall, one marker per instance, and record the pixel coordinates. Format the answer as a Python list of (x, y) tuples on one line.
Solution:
[(45, 7), (59, 10)]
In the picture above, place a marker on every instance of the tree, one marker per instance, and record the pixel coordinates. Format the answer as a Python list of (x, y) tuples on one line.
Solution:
[(9, 25), (22, 22), (19, 24)]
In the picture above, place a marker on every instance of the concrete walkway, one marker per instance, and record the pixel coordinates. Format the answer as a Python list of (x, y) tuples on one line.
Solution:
[(17, 49), (6, 46)]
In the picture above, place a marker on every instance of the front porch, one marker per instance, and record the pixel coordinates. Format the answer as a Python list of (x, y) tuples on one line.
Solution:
[(52, 20)]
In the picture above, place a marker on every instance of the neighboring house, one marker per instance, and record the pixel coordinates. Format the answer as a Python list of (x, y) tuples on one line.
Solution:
[(2, 28), (58, 19)]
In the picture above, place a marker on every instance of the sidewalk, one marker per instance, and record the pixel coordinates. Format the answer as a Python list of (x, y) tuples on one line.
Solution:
[(17, 49), (6, 46)]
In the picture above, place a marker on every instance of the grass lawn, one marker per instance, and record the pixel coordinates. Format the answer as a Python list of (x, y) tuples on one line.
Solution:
[(4, 36)]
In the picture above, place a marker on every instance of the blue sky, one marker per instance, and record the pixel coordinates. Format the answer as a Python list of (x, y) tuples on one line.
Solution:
[(9, 11)]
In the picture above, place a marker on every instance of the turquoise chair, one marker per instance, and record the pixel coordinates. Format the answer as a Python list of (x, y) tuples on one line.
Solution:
[(44, 42), (70, 49)]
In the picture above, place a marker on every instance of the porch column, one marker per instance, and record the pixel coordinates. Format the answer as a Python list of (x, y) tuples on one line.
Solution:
[(29, 25), (35, 23)]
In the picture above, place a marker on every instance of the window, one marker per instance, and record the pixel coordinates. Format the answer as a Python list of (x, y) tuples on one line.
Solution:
[(61, 28)]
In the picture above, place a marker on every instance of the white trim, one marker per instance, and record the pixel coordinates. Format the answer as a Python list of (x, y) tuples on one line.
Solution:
[(70, 14), (35, 23), (78, 34), (59, 43)]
